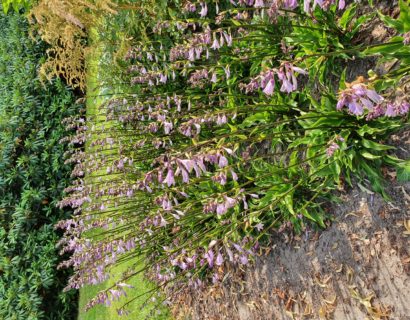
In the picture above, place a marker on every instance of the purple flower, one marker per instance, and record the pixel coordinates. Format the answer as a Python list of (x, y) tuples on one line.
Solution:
[(259, 4), (331, 149), (169, 179), (355, 108), (234, 175), (243, 259), (259, 226), (219, 259), (391, 110), (167, 127), (221, 120), (306, 5), (220, 178), (215, 44), (358, 98), (209, 256), (230, 202), (213, 78), (204, 9), (227, 72), (223, 162), (269, 88), (404, 108), (221, 209)]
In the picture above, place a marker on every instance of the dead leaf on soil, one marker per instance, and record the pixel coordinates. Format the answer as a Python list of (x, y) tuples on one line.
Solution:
[(406, 224), (325, 311), (322, 282), (406, 260), (349, 274), (353, 214), (406, 195), (365, 301), (308, 310), (330, 301)]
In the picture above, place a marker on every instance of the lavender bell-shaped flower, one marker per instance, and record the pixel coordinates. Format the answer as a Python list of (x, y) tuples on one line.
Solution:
[(219, 259), (204, 10), (169, 179)]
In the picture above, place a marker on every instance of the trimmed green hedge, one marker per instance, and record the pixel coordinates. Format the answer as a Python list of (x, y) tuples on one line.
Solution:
[(32, 179)]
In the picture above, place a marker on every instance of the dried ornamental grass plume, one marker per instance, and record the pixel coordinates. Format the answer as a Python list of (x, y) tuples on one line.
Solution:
[(64, 24)]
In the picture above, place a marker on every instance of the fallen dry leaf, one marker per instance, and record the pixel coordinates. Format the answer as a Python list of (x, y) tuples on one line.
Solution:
[(330, 301), (322, 282), (406, 224)]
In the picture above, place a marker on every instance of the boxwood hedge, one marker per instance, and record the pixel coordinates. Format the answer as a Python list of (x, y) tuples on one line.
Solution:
[(32, 179)]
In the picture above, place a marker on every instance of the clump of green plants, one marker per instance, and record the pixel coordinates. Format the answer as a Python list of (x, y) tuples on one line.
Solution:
[(238, 121), (15, 4), (33, 176)]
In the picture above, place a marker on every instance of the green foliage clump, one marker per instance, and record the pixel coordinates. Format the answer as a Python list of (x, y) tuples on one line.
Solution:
[(15, 4), (32, 179)]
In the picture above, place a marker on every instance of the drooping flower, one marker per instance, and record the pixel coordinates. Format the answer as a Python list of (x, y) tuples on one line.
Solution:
[(357, 98), (259, 4), (219, 259), (209, 256), (259, 226), (286, 75), (169, 179), (323, 4), (331, 149), (204, 9)]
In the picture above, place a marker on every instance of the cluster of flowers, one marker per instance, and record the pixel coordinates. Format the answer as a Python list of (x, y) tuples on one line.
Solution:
[(223, 204), (171, 168), (200, 78), (192, 127), (213, 256), (324, 4), (358, 98), (286, 75), (200, 43), (273, 5), (107, 297)]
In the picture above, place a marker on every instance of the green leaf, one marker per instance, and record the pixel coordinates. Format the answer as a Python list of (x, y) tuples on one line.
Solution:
[(369, 156), (391, 23), (389, 48), (375, 146), (403, 172), (347, 16), (405, 14), (260, 117)]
